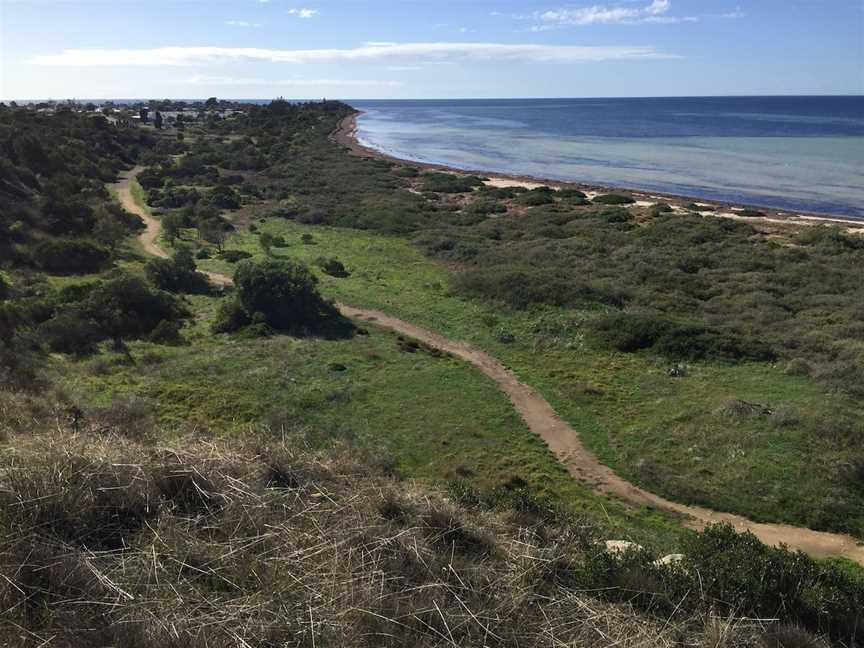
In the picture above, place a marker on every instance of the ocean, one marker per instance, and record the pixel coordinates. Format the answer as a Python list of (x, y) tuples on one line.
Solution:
[(789, 153)]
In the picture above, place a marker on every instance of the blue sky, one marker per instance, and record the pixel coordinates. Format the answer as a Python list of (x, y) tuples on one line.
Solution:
[(428, 49)]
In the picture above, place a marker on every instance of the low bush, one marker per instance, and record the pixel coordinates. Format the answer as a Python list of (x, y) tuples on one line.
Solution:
[(332, 267), (535, 198), (230, 317), (449, 183), (613, 199), (700, 208), (234, 256), (177, 274), (520, 289), (571, 194), (70, 332), (615, 215), (751, 213), (630, 332), (70, 256), (486, 207), (502, 193)]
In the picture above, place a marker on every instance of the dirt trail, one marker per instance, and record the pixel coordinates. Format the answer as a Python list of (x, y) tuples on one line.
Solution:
[(543, 421), (152, 227)]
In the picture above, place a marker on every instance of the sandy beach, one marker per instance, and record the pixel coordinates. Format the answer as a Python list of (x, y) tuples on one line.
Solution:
[(346, 135)]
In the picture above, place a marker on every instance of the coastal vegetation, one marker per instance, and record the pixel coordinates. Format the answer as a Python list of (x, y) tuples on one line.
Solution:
[(188, 464)]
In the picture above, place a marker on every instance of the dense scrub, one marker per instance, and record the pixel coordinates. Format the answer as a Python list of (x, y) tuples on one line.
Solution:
[(770, 297), (55, 212), (109, 541), (76, 318)]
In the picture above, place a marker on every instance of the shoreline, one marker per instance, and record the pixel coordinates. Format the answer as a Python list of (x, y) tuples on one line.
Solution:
[(346, 135)]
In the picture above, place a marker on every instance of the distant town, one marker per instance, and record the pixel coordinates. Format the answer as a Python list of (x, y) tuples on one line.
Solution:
[(165, 113)]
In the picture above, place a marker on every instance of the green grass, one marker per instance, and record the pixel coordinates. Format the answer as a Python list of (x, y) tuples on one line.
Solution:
[(662, 433), (437, 418)]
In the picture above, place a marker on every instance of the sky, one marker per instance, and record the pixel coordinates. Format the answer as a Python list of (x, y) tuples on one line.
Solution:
[(417, 49)]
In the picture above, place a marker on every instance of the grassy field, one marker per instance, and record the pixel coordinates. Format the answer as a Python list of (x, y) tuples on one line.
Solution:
[(681, 437), (434, 417)]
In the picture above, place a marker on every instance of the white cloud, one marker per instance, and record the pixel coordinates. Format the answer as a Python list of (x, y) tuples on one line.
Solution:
[(241, 81), (738, 13), (241, 23), (303, 13), (411, 51), (656, 12)]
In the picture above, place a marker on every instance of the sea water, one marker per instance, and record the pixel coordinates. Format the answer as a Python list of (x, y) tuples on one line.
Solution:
[(790, 153)]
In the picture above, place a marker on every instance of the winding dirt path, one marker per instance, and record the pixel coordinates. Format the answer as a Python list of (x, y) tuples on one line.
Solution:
[(152, 227), (543, 421)]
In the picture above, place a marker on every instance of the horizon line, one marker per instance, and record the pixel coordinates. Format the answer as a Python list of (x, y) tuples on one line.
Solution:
[(489, 98)]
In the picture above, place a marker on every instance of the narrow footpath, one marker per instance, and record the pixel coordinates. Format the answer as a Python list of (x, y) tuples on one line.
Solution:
[(543, 421)]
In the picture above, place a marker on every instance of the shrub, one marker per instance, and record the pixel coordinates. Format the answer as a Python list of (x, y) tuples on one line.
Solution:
[(4, 288), (332, 267), (660, 209), (521, 288), (798, 367), (177, 274), (613, 199), (535, 198), (569, 194), (224, 197), (166, 332), (502, 193), (127, 307), (284, 293), (233, 256), (70, 256), (677, 340), (615, 215), (123, 307), (230, 317), (736, 571), (486, 207), (751, 213), (449, 183), (69, 332), (700, 208)]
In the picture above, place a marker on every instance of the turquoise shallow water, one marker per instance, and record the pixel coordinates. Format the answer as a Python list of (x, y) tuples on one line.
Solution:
[(795, 153)]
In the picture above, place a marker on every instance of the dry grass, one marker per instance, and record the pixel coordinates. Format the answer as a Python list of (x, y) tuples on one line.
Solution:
[(110, 542)]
